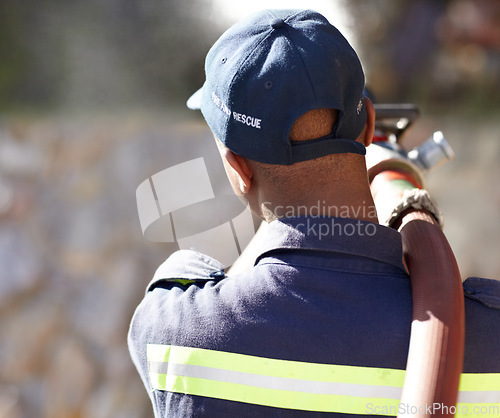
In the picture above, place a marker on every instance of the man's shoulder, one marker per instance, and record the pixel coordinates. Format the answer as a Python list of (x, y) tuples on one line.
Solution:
[(482, 290), (187, 267), (482, 331)]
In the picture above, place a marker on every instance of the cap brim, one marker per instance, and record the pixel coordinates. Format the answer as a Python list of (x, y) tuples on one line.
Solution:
[(194, 102)]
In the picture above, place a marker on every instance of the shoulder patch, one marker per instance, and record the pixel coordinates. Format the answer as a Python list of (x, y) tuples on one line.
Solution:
[(187, 267)]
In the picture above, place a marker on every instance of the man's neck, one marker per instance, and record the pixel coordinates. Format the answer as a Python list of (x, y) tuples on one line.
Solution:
[(355, 205)]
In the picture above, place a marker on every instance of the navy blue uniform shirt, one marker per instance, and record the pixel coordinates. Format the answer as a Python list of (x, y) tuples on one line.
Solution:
[(320, 325)]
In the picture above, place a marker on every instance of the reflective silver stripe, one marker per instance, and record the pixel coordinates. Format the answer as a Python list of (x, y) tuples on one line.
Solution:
[(277, 383), (299, 385), (484, 396), (158, 367)]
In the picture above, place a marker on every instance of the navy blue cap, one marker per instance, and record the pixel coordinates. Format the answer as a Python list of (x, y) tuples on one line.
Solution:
[(268, 70)]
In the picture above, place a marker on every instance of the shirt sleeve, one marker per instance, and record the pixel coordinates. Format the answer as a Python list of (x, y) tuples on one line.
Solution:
[(163, 317)]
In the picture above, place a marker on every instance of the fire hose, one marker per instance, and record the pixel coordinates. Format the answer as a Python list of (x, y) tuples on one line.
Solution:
[(435, 355), (436, 349)]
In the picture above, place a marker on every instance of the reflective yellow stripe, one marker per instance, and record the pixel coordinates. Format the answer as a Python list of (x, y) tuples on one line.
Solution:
[(272, 367), (271, 382), (480, 381), (479, 395), (299, 385), (184, 282)]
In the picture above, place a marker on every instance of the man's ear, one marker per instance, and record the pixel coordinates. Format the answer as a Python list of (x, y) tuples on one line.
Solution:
[(370, 122), (241, 170)]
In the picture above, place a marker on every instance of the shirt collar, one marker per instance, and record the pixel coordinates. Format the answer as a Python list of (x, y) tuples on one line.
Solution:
[(339, 235)]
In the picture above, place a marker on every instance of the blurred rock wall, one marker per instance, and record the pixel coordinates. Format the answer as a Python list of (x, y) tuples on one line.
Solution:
[(74, 264)]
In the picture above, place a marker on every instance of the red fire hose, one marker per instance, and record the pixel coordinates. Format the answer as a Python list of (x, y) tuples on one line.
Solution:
[(435, 356)]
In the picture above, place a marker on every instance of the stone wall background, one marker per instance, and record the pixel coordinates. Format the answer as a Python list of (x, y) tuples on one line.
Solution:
[(74, 264)]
